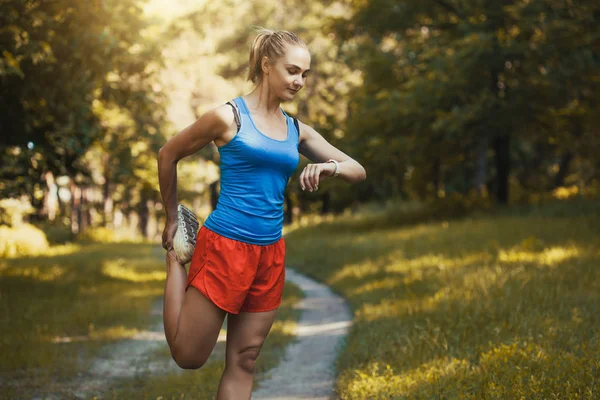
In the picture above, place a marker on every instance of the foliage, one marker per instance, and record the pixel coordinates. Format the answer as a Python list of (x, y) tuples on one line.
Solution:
[(22, 240), (450, 85), (56, 232), (13, 211), (63, 66)]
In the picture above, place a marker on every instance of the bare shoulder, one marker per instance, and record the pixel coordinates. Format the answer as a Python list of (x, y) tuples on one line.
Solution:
[(214, 125), (220, 117)]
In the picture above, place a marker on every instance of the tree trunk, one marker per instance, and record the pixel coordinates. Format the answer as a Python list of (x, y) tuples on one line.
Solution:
[(143, 216), (62, 206), (326, 202), (563, 169), (50, 197), (502, 155), (481, 172), (107, 193), (75, 208), (436, 176), (84, 210), (501, 142)]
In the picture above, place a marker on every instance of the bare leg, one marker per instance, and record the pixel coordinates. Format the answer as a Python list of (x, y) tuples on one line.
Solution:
[(192, 322), (246, 333), (174, 295)]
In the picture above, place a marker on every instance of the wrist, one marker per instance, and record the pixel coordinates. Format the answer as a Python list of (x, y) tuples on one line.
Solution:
[(335, 167)]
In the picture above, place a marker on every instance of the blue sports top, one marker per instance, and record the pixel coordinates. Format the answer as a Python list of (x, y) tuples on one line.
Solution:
[(255, 170)]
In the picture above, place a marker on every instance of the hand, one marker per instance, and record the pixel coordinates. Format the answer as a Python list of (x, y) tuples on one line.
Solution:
[(172, 257), (168, 234), (312, 173)]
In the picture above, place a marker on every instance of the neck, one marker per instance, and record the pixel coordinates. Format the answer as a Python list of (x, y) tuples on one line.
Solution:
[(264, 101)]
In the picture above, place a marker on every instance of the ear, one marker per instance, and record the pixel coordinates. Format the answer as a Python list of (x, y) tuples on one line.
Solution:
[(264, 64)]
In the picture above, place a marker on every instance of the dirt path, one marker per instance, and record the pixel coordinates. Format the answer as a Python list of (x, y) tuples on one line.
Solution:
[(134, 357), (307, 370)]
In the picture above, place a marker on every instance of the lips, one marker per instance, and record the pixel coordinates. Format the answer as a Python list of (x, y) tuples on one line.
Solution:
[(293, 91)]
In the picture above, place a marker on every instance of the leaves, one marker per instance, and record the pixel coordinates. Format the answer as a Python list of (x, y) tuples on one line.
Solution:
[(63, 66)]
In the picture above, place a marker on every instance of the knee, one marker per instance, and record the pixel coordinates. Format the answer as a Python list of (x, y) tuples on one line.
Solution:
[(187, 361), (247, 359)]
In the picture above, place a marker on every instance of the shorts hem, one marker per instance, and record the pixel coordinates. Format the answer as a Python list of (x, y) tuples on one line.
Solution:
[(205, 294), (256, 310)]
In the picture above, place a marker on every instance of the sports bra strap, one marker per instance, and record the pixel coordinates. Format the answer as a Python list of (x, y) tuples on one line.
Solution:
[(297, 128), (236, 115)]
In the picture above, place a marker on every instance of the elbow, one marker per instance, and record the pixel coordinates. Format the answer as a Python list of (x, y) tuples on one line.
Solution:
[(362, 174), (164, 156)]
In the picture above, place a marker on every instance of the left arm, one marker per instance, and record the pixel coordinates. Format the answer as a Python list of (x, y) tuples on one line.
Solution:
[(314, 147)]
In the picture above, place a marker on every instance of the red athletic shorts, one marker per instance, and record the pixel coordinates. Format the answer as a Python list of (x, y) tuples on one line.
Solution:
[(238, 276)]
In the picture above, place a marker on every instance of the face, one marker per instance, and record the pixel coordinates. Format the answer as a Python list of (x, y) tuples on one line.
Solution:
[(288, 75)]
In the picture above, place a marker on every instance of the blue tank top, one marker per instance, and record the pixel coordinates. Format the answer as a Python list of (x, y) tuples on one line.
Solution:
[(255, 170)]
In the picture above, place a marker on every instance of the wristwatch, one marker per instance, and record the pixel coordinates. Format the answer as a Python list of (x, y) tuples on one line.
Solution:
[(337, 167)]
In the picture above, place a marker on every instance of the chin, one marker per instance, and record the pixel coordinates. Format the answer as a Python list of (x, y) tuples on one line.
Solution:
[(287, 96)]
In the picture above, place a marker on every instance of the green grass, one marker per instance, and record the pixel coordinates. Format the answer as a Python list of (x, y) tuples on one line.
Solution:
[(58, 310), (495, 306)]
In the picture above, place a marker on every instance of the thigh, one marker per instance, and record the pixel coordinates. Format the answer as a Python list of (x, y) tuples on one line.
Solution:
[(200, 322), (246, 332), (266, 291)]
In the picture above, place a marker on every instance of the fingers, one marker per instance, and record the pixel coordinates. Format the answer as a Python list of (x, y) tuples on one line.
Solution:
[(167, 246), (167, 236), (171, 255), (305, 179), (310, 176)]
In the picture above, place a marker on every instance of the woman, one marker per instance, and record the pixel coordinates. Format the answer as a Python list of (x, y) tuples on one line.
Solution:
[(238, 264)]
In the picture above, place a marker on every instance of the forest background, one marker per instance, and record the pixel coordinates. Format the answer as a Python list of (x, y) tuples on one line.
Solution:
[(455, 104)]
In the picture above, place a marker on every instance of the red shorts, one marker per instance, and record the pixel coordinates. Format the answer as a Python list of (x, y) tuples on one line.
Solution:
[(238, 276)]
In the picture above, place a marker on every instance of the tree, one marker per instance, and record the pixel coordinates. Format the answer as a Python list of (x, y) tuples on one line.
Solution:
[(447, 81)]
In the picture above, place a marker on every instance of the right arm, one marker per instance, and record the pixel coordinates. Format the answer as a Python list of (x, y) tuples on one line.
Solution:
[(214, 124)]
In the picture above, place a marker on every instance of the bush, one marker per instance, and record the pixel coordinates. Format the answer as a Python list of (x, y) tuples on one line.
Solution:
[(56, 232), (13, 211), (23, 240)]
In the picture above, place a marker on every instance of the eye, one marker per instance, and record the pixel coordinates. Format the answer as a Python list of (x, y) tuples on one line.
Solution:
[(293, 71)]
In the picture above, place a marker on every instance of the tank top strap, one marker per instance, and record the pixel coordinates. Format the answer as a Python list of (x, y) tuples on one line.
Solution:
[(245, 116), (241, 105)]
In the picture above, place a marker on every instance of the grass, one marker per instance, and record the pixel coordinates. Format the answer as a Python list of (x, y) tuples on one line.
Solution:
[(494, 306), (57, 311)]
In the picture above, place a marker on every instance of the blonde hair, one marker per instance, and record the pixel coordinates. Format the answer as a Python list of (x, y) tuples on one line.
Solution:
[(271, 44)]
